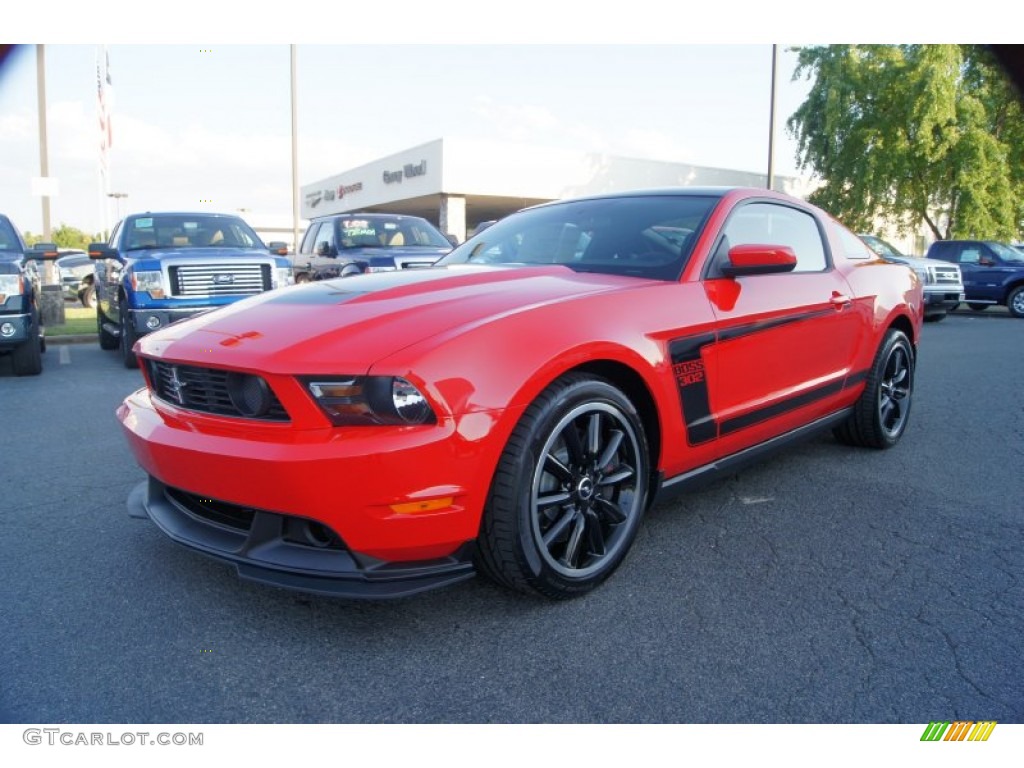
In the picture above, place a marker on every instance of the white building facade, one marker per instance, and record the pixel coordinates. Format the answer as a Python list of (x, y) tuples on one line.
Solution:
[(458, 183)]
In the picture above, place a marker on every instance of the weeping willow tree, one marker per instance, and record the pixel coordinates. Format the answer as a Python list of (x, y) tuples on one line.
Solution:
[(912, 135)]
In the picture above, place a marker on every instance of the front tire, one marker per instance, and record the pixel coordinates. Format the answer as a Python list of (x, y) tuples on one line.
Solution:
[(108, 340), (569, 491), (1015, 301), (977, 307), (880, 416), (127, 341), (87, 295), (27, 358)]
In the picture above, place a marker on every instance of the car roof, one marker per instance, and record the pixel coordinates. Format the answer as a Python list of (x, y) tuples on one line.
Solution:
[(144, 214), (366, 215)]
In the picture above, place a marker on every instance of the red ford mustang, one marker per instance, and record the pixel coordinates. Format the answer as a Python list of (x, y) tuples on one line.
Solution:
[(515, 409)]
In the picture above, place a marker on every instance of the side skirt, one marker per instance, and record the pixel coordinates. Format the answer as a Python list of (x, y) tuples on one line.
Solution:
[(666, 489)]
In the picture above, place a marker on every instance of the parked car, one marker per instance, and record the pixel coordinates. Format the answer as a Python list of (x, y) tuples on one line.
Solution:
[(993, 272), (346, 244), (943, 284), (76, 276), (516, 408), (21, 329), (161, 267)]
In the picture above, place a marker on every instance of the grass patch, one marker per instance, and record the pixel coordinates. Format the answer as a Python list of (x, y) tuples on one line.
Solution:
[(77, 320)]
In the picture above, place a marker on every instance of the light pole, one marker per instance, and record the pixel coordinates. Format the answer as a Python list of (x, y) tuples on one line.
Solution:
[(771, 119), (118, 197)]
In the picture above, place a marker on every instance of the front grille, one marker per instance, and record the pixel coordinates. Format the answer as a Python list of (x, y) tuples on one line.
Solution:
[(949, 276), (226, 279), (211, 390)]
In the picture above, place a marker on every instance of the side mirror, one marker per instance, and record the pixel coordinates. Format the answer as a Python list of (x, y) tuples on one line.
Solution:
[(323, 248), (452, 239), (986, 261), (756, 259), (101, 251), (43, 252), (278, 248)]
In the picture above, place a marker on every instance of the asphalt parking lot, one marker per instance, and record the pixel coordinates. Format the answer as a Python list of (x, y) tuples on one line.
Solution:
[(826, 584)]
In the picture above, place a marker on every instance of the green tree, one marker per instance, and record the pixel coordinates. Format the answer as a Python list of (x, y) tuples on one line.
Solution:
[(66, 236), (913, 134)]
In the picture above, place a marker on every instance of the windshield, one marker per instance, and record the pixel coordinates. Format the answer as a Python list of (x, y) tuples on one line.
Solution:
[(389, 232), (1006, 253), (8, 239), (188, 230), (882, 248), (649, 236)]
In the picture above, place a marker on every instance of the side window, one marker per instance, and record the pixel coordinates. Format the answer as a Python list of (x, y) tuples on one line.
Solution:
[(309, 238), (853, 247), (324, 243), (971, 254), (771, 224)]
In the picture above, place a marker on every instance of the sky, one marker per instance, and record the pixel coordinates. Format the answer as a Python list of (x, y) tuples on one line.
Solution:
[(207, 124)]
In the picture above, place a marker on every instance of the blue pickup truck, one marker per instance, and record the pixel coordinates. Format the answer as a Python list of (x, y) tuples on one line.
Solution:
[(993, 272), (21, 329), (345, 244), (160, 267)]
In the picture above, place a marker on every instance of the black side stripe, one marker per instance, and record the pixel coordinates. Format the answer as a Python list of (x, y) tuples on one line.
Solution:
[(691, 379), (783, 406), (764, 325), (688, 368)]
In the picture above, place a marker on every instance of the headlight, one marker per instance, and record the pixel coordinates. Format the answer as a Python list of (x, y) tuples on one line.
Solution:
[(369, 400), (10, 285), (283, 276), (925, 274), (148, 282)]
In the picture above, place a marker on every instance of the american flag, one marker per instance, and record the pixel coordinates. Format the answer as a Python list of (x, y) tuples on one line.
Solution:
[(105, 97)]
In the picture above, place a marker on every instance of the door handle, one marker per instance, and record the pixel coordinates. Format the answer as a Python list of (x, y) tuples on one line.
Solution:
[(840, 300)]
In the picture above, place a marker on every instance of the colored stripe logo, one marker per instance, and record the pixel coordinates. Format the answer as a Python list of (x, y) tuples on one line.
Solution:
[(960, 730)]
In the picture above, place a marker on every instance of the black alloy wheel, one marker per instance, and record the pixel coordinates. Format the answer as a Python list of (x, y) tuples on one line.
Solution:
[(881, 413), (569, 492)]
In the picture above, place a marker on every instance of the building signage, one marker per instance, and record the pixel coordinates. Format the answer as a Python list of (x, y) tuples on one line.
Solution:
[(407, 172), (348, 189)]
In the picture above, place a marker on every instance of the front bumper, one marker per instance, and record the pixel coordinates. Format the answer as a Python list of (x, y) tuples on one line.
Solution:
[(15, 330), (364, 485), (284, 551), (147, 320), (942, 299)]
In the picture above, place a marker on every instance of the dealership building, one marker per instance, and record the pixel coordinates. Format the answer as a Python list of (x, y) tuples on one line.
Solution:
[(458, 183)]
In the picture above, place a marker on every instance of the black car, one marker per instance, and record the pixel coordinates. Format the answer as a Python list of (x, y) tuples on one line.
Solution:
[(21, 328), (993, 272), (345, 244)]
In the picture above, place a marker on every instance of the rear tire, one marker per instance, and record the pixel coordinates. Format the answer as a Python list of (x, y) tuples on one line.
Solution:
[(935, 318), (569, 491), (881, 413)]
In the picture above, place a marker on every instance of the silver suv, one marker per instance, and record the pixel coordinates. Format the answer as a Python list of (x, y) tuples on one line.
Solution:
[(943, 283)]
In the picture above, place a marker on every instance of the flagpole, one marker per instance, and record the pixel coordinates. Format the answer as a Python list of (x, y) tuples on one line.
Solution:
[(101, 174)]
